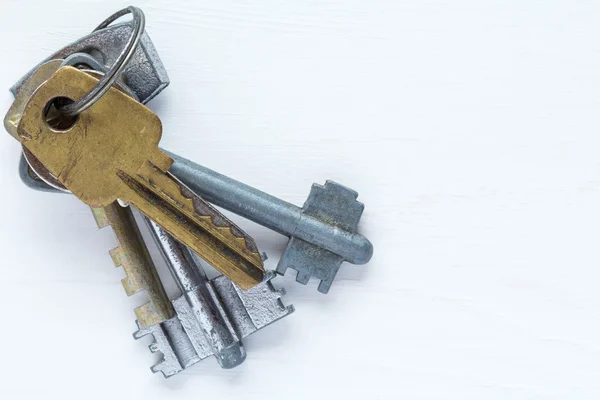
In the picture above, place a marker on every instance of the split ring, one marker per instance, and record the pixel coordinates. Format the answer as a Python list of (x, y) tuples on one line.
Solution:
[(113, 73)]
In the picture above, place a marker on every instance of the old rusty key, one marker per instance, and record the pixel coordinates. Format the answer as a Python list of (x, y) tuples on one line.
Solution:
[(111, 152)]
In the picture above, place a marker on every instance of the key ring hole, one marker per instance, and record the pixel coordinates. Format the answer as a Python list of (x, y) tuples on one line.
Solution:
[(56, 120)]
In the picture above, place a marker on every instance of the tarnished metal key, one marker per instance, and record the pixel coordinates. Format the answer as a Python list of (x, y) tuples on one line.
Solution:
[(111, 152), (133, 256)]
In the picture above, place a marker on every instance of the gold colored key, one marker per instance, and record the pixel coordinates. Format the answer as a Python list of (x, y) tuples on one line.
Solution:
[(111, 152), (132, 254)]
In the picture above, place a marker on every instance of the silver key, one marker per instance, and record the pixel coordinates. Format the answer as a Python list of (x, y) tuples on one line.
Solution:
[(213, 316)]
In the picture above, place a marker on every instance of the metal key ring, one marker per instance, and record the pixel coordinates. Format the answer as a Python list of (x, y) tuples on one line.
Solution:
[(105, 83)]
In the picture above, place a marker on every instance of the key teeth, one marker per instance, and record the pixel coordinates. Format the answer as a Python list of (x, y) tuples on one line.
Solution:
[(163, 365), (302, 277), (153, 347), (310, 261), (335, 204), (263, 305), (115, 255), (276, 293), (141, 332), (324, 286), (202, 208), (132, 256), (340, 190), (100, 217)]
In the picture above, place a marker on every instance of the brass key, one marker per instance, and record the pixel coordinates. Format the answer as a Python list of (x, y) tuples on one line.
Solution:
[(111, 152), (133, 256)]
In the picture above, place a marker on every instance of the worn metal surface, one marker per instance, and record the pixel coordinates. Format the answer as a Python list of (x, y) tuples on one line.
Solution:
[(145, 73), (43, 72), (322, 233), (14, 114), (111, 152), (212, 315), (116, 69), (133, 256)]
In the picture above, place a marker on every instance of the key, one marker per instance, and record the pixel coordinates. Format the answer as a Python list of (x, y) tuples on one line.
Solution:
[(132, 254), (111, 152), (213, 316), (322, 233), (26, 89)]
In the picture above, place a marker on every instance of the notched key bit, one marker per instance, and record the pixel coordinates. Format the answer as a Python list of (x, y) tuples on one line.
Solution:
[(337, 206), (132, 254), (213, 316), (111, 152)]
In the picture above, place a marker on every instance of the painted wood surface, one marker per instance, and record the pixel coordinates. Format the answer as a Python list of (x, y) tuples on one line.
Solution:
[(470, 130)]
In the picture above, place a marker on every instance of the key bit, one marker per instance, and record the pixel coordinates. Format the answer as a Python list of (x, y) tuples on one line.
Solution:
[(99, 163), (212, 315), (133, 256), (322, 233)]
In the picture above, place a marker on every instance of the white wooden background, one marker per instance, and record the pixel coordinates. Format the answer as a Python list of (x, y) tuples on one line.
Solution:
[(471, 130)]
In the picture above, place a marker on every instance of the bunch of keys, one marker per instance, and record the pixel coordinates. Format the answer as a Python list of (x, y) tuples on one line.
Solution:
[(84, 129)]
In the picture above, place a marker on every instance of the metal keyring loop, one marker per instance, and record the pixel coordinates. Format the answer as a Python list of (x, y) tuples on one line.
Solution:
[(105, 83)]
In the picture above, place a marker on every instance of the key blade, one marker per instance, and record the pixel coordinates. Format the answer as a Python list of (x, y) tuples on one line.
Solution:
[(195, 223)]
